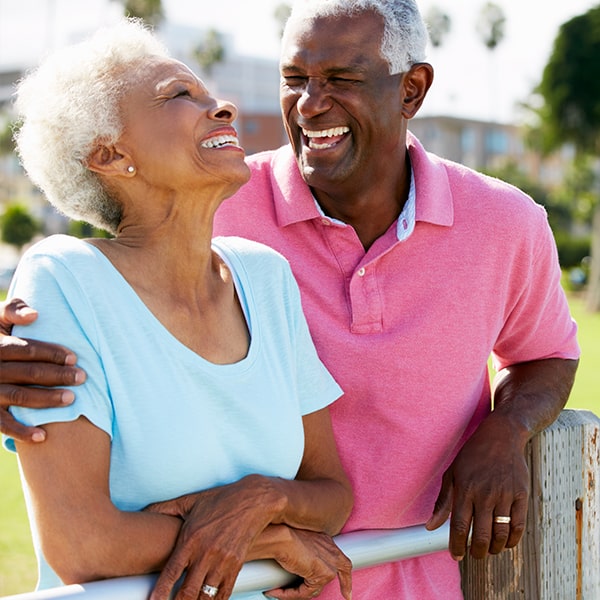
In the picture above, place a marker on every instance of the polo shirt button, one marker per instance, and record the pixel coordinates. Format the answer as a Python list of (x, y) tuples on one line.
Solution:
[(326, 222), (361, 272)]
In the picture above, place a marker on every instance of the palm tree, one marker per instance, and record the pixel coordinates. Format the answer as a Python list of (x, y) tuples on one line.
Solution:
[(151, 11), (438, 24), (281, 13), (490, 27), (210, 51)]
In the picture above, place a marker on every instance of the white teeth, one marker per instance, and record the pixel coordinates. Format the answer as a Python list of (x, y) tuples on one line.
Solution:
[(221, 140), (325, 132)]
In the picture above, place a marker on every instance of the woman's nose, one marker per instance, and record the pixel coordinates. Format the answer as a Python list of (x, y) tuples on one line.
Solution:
[(224, 111)]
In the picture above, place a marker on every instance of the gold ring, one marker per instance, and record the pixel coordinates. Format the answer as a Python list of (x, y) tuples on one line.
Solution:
[(504, 520)]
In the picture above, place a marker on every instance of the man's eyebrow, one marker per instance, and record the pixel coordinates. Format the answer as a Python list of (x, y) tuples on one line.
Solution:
[(355, 69), (328, 71)]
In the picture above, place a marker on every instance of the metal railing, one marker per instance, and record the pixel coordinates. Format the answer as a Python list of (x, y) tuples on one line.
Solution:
[(364, 548)]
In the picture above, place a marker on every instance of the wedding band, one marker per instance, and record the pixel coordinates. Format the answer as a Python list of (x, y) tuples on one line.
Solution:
[(210, 590), (502, 520)]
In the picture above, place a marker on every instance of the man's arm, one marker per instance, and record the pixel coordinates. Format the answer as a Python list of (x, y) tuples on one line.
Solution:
[(489, 476), (24, 363)]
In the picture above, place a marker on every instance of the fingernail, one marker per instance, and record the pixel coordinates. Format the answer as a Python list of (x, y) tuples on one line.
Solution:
[(70, 359), (67, 397), (38, 436), (79, 376)]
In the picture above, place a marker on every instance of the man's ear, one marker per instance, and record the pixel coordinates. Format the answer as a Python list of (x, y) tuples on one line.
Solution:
[(108, 160), (417, 82)]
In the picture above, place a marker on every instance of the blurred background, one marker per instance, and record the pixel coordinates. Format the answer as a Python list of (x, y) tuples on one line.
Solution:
[(516, 95)]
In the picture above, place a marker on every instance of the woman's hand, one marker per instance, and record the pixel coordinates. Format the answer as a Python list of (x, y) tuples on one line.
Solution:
[(220, 526), (26, 363), (225, 527), (316, 559)]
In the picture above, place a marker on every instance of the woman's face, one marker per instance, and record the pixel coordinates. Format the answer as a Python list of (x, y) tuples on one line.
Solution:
[(178, 136)]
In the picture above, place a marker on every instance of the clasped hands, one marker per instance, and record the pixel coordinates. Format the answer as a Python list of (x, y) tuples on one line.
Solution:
[(227, 526)]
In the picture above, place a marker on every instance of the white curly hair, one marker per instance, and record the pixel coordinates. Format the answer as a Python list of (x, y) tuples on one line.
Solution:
[(405, 34), (70, 103)]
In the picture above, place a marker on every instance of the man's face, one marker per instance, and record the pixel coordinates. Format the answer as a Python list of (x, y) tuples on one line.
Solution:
[(341, 107)]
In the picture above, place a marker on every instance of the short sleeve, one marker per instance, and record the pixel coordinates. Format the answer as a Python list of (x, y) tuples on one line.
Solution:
[(540, 324), (316, 386), (67, 318)]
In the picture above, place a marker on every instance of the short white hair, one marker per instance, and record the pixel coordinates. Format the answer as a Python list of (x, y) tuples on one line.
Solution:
[(405, 36), (70, 103)]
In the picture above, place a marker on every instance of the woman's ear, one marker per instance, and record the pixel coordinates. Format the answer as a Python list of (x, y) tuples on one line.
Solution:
[(417, 82), (107, 160)]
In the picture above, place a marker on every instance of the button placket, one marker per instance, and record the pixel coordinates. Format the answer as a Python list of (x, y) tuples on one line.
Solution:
[(365, 302)]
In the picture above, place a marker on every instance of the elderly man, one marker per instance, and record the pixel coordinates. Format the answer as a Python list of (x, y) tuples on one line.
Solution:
[(413, 270)]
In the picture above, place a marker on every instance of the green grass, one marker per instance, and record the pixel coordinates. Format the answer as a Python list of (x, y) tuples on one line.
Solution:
[(17, 562), (586, 391), (18, 569)]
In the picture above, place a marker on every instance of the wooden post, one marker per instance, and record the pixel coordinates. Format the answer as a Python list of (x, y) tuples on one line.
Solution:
[(559, 555)]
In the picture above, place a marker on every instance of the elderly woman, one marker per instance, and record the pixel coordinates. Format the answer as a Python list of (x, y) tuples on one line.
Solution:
[(201, 438)]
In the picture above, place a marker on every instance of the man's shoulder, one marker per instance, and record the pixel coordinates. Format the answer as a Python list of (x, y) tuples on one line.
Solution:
[(265, 161), (260, 160), (469, 184)]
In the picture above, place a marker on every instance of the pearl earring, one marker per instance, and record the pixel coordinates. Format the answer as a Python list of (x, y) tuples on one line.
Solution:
[(131, 169)]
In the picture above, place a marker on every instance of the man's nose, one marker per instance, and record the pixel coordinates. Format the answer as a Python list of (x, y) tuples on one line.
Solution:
[(314, 98)]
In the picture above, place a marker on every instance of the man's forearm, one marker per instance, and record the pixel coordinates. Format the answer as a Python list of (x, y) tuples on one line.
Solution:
[(532, 394)]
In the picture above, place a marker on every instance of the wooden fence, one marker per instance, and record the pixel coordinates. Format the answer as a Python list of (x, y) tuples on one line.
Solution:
[(559, 555)]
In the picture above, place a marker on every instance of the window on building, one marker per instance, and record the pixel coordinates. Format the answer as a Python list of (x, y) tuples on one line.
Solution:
[(467, 140), (496, 141)]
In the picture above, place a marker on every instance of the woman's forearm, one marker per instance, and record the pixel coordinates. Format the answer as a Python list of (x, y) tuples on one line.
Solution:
[(314, 505), (111, 543), (320, 498), (82, 534)]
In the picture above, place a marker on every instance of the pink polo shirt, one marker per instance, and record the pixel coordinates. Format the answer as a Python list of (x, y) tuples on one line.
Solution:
[(407, 327)]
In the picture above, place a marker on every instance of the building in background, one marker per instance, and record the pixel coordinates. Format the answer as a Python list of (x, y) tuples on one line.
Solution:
[(489, 146)]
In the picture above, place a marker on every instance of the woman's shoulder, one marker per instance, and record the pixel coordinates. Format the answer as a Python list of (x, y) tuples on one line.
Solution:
[(248, 249), (62, 256), (59, 246), (261, 264)]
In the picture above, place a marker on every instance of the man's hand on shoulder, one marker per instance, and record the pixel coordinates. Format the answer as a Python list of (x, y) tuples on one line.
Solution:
[(25, 363)]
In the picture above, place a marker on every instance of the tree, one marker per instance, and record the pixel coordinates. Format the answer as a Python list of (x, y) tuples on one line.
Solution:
[(150, 11), (7, 145), (490, 25), (438, 24), (570, 86), (570, 110), (82, 229), (281, 14), (210, 51), (18, 226)]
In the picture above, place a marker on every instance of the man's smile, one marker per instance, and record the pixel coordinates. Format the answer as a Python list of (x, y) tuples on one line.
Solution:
[(324, 138)]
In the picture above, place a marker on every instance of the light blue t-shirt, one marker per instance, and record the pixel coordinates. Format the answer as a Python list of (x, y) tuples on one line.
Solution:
[(178, 423)]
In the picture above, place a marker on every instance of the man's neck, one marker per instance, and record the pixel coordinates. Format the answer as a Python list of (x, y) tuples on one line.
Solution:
[(370, 212)]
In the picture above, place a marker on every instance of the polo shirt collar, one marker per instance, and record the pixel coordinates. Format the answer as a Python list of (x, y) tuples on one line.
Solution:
[(292, 198), (434, 201), (294, 201)]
